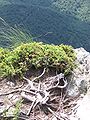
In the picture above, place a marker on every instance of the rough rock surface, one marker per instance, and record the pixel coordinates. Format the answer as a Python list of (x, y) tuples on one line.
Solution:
[(80, 84), (80, 78), (83, 111)]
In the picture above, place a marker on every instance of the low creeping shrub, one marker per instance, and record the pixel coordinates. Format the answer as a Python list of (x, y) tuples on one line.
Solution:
[(37, 54)]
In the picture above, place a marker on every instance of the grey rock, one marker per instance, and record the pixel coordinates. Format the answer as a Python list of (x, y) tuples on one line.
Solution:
[(81, 54), (79, 81), (83, 111)]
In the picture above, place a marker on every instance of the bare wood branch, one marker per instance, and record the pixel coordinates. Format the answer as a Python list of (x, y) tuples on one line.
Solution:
[(36, 78), (46, 98), (31, 107), (54, 114), (18, 86), (12, 116), (28, 97), (15, 91), (30, 83), (58, 86)]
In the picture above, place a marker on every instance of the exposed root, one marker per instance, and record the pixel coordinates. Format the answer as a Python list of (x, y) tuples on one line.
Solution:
[(40, 95)]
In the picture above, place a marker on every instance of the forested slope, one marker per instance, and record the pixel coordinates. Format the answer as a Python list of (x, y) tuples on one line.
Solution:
[(46, 23), (78, 8)]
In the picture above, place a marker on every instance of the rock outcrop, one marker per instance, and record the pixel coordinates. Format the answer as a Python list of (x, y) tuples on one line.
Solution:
[(80, 78), (80, 84)]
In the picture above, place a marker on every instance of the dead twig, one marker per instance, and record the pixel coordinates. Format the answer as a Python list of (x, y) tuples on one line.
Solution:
[(30, 83), (31, 107), (15, 91), (55, 115), (36, 78), (58, 86), (21, 117)]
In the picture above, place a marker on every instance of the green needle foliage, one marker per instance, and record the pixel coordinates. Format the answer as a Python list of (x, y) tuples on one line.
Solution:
[(38, 55)]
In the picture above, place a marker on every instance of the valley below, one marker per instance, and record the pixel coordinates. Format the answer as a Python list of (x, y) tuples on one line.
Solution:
[(45, 23)]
